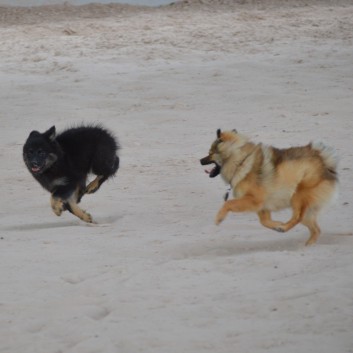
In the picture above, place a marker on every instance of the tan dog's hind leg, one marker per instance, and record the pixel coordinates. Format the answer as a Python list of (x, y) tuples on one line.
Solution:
[(57, 205), (245, 204), (309, 220)]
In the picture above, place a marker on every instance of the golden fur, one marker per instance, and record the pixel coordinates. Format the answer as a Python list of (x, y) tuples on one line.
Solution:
[(266, 179)]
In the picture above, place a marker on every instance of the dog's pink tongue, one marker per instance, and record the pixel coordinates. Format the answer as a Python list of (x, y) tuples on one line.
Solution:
[(35, 169)]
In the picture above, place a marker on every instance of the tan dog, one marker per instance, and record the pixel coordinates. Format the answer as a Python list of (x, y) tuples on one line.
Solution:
[(265, 179)]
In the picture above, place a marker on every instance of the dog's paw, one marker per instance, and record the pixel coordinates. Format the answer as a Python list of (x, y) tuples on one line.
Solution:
[(57, 206), (219, 218), (279, 229), (86, 217), (310, 241)]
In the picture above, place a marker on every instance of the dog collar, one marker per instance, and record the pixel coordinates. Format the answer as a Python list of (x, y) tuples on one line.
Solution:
[(226, 195)]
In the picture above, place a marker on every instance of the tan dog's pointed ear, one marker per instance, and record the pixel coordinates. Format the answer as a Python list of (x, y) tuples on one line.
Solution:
[(218, 133)]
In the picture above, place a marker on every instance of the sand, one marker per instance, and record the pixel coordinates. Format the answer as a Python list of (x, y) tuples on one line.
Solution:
[(155, 274)]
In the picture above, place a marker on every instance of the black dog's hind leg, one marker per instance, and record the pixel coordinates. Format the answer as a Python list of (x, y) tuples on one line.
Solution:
[(94, 185), (103, 170), (81, 190)]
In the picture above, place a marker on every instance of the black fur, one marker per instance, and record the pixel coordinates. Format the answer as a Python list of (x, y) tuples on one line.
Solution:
[(62, 163)]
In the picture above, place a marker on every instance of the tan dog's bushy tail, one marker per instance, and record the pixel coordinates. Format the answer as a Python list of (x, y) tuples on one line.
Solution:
[(328, 155)]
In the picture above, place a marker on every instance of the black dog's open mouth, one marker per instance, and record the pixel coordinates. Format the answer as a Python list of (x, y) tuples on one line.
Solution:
[(36, 169), (214, 171)]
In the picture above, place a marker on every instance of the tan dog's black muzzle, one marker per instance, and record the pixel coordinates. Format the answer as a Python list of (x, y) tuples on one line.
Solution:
[(206, 160), (213, 172)]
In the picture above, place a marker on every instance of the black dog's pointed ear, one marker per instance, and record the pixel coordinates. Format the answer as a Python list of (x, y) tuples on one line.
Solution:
[(235, 130), (218, 133), (51, 133)]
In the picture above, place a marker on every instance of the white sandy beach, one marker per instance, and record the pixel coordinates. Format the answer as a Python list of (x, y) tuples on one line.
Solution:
[(155, 275)]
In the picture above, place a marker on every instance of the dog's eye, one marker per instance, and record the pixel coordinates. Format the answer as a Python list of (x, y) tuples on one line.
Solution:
[(30, 152)]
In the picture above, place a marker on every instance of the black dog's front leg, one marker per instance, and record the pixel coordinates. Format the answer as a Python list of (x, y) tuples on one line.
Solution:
[(59, 197), (66, 198), (57, 205)]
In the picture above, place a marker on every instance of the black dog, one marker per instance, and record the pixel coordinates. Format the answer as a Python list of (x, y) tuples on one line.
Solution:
[(62, 163)]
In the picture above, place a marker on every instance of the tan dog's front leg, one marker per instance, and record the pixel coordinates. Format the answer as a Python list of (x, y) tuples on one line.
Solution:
[(266, 220), (299, 207), (57, 205), (245, 204), (221, 215)]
